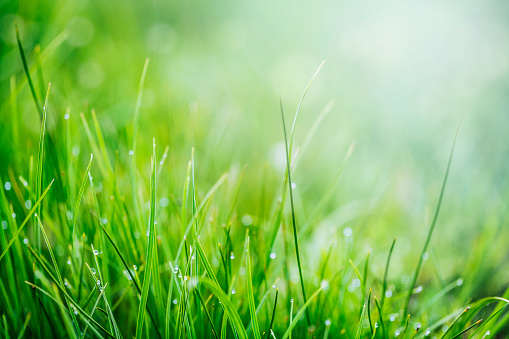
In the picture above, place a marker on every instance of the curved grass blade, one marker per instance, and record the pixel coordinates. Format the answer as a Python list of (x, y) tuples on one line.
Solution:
[(85, 316), (294, 223), (432, 228), (300, 104), (229, 308)]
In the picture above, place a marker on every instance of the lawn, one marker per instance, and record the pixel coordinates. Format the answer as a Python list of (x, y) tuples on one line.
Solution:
[(253, 170)]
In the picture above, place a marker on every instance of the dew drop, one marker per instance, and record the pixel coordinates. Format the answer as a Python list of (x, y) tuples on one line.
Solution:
[(273, 255)]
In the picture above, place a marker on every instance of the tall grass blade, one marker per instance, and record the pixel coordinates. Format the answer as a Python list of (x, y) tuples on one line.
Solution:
[(250, 294), (432, 228), (151, 248), (293, 215)]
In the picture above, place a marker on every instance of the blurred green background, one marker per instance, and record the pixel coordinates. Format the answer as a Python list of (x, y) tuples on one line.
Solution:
[(398, 78)]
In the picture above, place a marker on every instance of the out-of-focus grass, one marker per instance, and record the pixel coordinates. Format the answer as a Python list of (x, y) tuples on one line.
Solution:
[(368, 153)]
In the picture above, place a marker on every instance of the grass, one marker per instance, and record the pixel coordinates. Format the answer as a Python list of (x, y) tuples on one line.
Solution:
[(136, 247)]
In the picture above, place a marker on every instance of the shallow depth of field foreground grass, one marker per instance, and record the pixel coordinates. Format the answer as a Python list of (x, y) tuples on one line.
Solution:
[(136, 206)]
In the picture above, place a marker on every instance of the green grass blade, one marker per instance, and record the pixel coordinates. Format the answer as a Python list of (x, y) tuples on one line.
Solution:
[(27, 73), (59, 277), (386, 272), (78, 201), (25, 325), (300, 313), (250, 294), (229, 308), (381, 318), (467, 329), (150, 250), (29, 215), (294, 223), (361, 321), (432, 228)]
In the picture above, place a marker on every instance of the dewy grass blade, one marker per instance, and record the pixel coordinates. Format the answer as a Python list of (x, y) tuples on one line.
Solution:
[(60, 281), (294, 223), (77, 307), (151, 248), (29, 215), (300, 313), (432, 228)]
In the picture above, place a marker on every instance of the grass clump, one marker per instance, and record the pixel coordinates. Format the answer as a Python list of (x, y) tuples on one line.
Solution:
[(134, 247)]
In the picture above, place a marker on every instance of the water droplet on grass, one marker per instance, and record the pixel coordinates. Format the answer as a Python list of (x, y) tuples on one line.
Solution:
[(347, 232)]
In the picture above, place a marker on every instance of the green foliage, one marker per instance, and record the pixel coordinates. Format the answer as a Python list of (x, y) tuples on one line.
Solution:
[(220, 238)]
